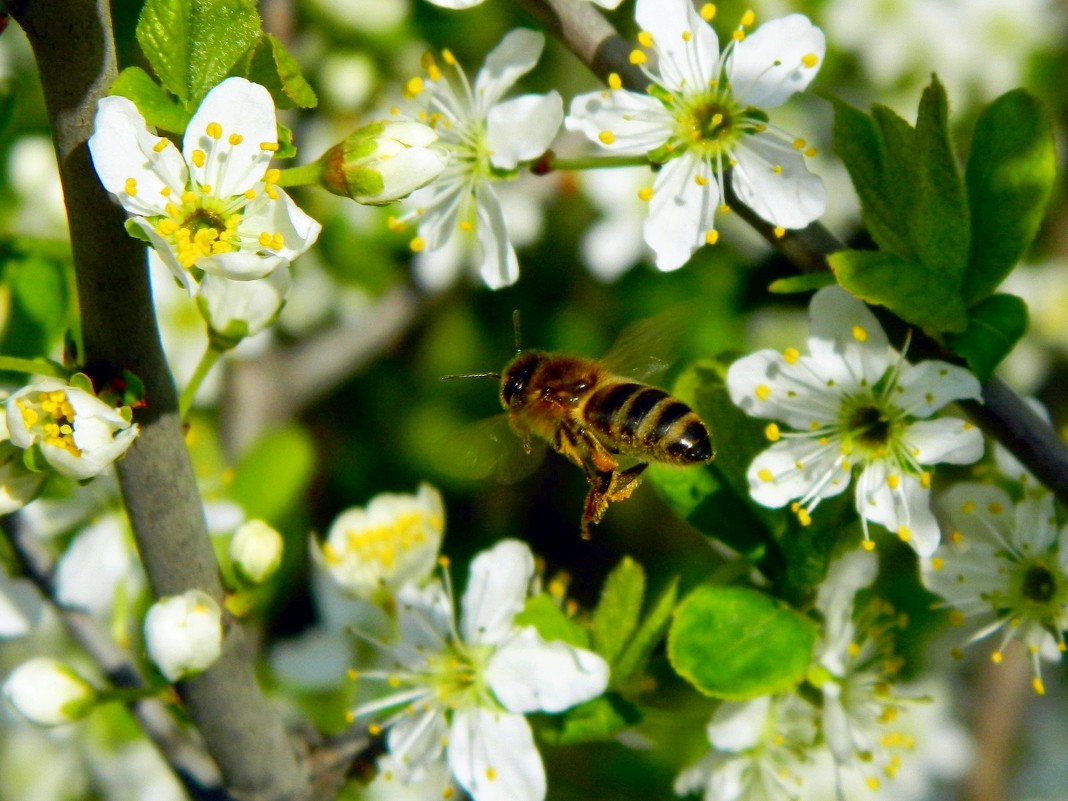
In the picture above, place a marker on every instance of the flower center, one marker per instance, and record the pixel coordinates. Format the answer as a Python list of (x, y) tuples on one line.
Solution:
[(52, 416), (1039, 585), (456, 675), (870, 427)]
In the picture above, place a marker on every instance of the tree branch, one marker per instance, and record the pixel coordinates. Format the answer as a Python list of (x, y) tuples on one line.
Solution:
[(1003, 415), (73, 45)]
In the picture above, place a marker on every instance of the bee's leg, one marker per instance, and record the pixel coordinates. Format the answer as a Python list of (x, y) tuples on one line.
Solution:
[(597, 500), (625, 482)]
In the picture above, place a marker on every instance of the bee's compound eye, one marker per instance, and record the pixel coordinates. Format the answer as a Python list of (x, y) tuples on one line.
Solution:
[(516, 379)]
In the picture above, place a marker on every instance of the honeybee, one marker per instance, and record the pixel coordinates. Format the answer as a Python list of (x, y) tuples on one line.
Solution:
[(599, 419)]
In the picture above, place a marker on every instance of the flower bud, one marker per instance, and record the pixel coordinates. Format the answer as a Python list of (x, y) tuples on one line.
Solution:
[(392, 541), (183, 634), (256, 551), (238, 309), (48, 692), (383, 162)]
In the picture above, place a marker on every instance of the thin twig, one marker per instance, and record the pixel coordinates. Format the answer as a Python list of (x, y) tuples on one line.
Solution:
[(1002, 415)]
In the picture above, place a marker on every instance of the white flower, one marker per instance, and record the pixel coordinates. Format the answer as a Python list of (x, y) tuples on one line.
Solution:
[(235, 310), (853, 403), (392, 541), (48, 692), (383, 162), (463, 691), (98, 565), (214, 207), (79, 435), (183, 634), (486, 139), (1003, 568), (256, 551), (757, 747), (855, 667), (703, 116)]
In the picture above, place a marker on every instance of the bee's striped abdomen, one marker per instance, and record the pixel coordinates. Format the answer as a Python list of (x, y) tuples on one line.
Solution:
[(647, 422)]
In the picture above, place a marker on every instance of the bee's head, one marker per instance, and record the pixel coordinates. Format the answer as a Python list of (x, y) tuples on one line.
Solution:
[(516, 377)]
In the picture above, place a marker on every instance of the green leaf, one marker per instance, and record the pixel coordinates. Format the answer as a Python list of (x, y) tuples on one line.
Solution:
[(268, 63), (286, 148), (618, 609), (636, 653), (736, 643), (272, 476), (541, 612), (917, 293), (193, 44), (154, 104), (39, 309), (859, 142), (938, 208), (808, 282), (1010, 174), (995, 325), (900, 173), (596, 720)]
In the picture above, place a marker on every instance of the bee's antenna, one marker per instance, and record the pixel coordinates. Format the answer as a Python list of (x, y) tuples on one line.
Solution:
[(515, 325), (471, 375)]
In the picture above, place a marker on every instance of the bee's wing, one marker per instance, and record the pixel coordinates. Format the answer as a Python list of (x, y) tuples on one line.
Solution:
[(490, 448), (646, 348)]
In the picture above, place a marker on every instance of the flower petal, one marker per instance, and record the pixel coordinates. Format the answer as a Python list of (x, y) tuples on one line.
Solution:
[(685, 197), (947, 439), (975, 512), (764, 384), (929, 385), (771, 178), (528, 674), (522, 128), (166, 255), (621, 121), (901, 503), (280, 215), (416, 742), (797, 468), (686, 46), (244, 113), (513, 58), (846, 339), (239, 309), (95, 564), (737, 726), (768, 65), (496, 591), (122, 149), (500, 265), (1035, 524), (493, 756)]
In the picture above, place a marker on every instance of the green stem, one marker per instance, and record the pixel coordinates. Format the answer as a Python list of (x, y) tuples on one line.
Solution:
[(591, 163), (305, 175), (207, 361), (14, 364)]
